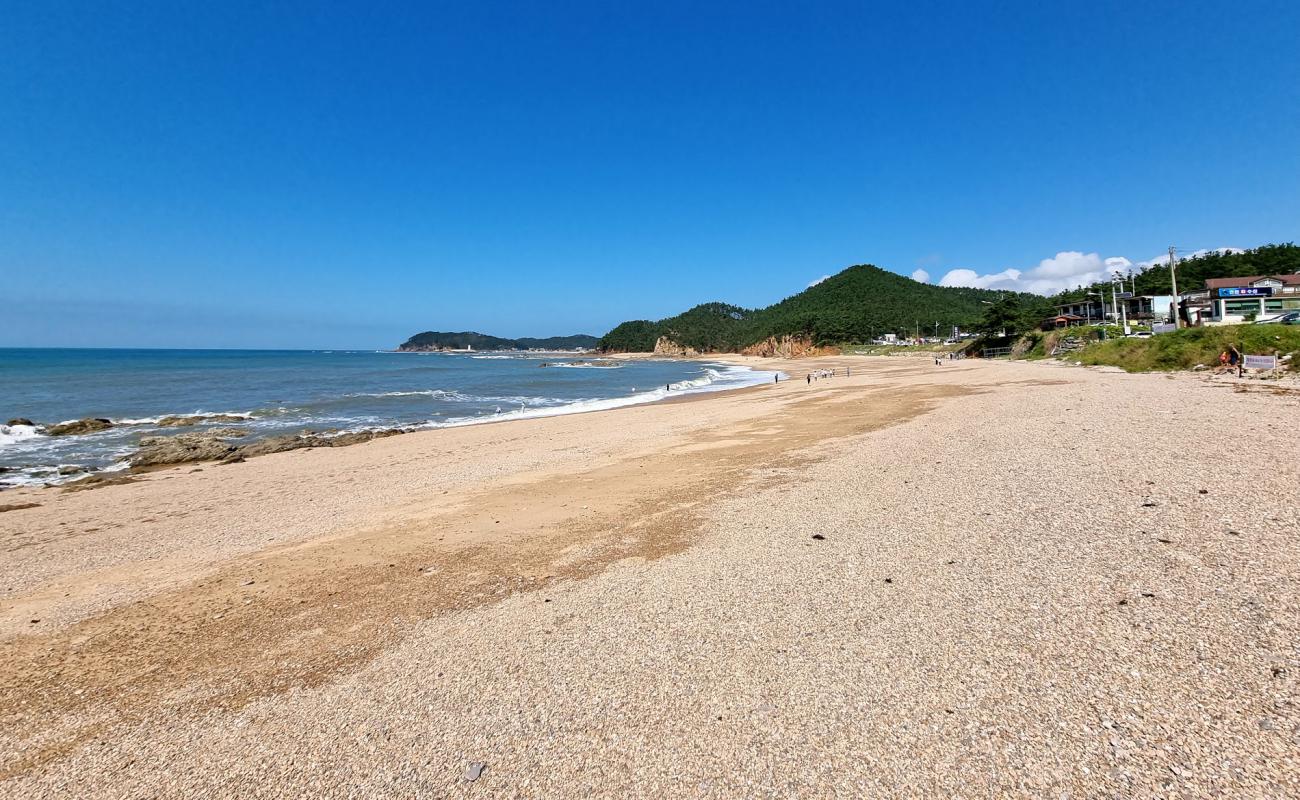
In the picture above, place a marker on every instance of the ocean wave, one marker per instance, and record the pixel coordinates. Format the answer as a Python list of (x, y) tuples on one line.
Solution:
[(36, 477), (12, 434), (715, 379), (461, 397), (195, 415), (444, 394), (587, 366), (487, 358)]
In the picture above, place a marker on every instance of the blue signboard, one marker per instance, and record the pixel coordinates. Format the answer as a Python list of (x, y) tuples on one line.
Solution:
[(1245, 291)]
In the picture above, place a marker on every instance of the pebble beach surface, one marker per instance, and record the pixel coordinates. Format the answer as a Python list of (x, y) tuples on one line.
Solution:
[(968, 580)]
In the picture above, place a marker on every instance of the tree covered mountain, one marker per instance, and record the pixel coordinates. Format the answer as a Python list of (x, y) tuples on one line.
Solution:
[(861, 303), (436, 340)]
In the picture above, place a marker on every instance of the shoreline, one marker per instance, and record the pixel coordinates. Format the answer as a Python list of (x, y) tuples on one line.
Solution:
[(184, 613), (242, 447)]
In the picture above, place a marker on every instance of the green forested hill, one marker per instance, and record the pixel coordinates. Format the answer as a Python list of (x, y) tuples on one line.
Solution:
[(436, 340), (864, 302), (856, 305)]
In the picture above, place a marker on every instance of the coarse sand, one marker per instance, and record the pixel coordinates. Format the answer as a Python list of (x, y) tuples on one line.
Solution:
[(972, 579)]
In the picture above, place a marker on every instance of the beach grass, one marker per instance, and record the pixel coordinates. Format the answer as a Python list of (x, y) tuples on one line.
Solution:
[(1192, 348)]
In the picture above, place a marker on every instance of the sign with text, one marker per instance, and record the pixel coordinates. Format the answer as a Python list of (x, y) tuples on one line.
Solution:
[(1259, 362), (1245, 291)]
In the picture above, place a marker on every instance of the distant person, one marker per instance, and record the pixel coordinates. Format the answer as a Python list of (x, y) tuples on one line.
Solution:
[(810, 379), (1235, 361), (1223, 361)]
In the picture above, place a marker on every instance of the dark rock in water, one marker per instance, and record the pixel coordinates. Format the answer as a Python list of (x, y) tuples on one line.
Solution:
[(71, 469), (21, 421), (597, 362), (88, 425), (195, 419)]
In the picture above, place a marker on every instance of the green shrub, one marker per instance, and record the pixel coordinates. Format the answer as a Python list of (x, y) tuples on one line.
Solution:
[(1192, 347)]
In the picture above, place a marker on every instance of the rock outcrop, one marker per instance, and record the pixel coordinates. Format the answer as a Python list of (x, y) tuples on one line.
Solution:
[(195, 419), (157, 451), (788, 347), (214, 445), (21, 421), (667, 347), (88, 425)]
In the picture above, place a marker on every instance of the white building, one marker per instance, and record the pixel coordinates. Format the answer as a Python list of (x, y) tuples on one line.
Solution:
[(1232, 301)]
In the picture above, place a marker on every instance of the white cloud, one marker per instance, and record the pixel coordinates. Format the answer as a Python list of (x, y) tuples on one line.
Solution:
[(819, 280), (969, 277), (921, 276), (1065, 270)]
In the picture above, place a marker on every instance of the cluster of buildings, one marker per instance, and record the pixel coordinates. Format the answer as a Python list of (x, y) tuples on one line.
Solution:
[(1221, 301)]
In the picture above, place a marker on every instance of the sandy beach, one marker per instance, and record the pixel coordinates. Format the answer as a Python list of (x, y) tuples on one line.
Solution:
[(975, 579)]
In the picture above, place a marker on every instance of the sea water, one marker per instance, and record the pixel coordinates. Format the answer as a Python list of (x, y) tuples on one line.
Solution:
[(288, 392)]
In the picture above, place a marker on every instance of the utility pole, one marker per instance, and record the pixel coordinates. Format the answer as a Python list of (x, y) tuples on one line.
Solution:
[(1173, 282), (1123, 310)]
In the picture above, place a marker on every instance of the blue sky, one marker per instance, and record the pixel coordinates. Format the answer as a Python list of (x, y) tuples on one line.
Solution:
[(283, 175)]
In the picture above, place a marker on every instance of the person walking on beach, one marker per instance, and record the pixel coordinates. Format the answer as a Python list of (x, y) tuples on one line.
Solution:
[(809, 378), (1235, 360)]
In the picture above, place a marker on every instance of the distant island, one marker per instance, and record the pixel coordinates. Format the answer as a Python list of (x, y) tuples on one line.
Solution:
[(432, 341)]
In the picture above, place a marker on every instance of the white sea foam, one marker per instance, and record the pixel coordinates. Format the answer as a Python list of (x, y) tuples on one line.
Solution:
[(588, 366), (714, 379), (12, 434), (440, 393)]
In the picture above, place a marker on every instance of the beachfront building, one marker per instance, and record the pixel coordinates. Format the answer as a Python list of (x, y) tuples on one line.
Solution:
[(1087, 310), (1146, 307), (1232, 301), (1063, 321), (1090, 311)]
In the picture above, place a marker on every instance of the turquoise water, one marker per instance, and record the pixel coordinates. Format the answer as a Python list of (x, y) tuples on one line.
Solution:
[(291, 391)]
